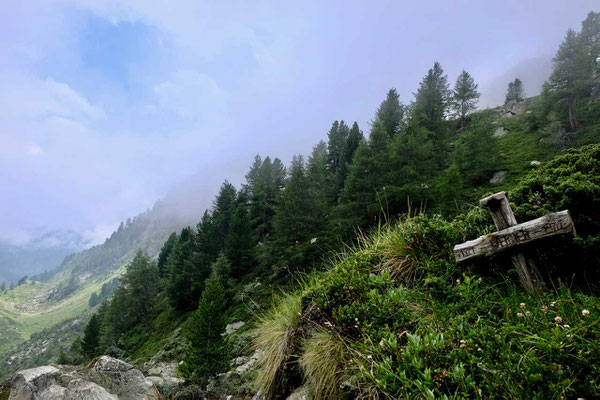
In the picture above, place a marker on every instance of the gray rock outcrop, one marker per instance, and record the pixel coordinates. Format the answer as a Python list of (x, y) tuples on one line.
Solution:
[(108, 379)]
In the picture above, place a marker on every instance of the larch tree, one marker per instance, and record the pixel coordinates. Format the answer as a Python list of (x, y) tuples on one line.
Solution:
[(207, 351), (567, 78), (464, 97)]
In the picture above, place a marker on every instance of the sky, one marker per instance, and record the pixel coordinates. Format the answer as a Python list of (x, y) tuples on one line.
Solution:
[(107, 106)]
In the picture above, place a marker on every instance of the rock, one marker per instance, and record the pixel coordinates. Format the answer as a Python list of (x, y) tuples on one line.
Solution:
[(500, 132), (302, 393), (230, 328), (513, 107), (29, 383), (79, 389), (247, 363), (106, 363), (122, 379), (54, 392), (498, 177), (535, 163), (155, 371)]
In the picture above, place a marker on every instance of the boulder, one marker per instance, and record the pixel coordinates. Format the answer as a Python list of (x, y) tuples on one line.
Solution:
[(500, 132), (513, 107), (234, 326), (29, 383), (122, 379), (80, 389), (54, 392), (498, 177)]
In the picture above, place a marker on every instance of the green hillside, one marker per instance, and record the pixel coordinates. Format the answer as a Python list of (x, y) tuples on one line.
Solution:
[(338, 269)]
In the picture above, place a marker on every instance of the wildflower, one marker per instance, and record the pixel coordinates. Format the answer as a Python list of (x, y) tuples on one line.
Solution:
[(566, 326), (585, 313), (558, 319), (527, 314), (569, 336), (463, 344), (544, 308), (522, 305), (381, 343), (520, 315), (552, 304), (458, 281), (369, 356), (479, 349)]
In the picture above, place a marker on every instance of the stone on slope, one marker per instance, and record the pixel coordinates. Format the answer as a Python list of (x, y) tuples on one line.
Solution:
[(80, 389), (121, 379), (54, 392), (29, 383)]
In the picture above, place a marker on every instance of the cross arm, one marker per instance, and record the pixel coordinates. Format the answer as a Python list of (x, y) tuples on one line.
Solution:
[(559, 223)]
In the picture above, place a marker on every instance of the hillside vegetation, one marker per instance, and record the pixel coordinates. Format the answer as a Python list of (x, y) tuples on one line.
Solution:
[(360, 236)]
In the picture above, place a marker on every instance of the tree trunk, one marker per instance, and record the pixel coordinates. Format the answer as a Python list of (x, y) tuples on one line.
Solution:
[(572, 119)]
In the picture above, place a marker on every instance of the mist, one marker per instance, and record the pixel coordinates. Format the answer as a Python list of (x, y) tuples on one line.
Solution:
[(111, 106)]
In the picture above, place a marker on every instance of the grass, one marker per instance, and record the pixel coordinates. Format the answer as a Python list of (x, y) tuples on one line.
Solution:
[(322, 354), (275, 340), (22, 324)]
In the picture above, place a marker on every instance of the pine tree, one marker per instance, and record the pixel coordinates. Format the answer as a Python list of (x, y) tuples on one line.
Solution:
[(207, 354), (431, 102), (186, 272), (515, 91), (590, 42), (240, 243), (223, 209), (91, 338), (263, 185), (464, 97), (391, 113), (141, 284), (567, 78), (164, 254)]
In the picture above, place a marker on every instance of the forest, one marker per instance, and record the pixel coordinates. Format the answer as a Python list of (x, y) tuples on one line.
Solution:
[(404, 193)]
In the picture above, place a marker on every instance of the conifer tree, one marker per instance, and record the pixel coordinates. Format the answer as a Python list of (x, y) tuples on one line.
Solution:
[(515, 91), (264, 184), (164, 254), (223, 209), (207, 354), (141, 284), (239, 245), (391, 113), (568, 75), (186, 274), (431, 102), (464, 97), (91, 338)]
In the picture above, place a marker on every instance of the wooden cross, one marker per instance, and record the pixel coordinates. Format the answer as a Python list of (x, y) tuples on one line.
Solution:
[(511, 235)]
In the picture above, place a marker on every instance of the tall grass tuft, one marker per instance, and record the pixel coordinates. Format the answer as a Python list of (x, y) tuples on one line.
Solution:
[(275, 331), (321, 359)]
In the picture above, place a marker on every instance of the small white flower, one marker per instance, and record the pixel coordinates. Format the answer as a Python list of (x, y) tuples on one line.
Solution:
[(585, 313), (522, 305), (558, 319), (552, 304), (458, 281), (520, 315), (566, 326), (369, 356), (544, 308), (569, 336), (463, 344), (479, 349), (527, 314)]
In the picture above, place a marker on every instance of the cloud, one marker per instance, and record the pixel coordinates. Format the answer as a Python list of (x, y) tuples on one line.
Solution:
[(193, 95)]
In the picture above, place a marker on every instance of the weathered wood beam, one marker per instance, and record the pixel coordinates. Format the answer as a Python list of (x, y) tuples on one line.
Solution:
[(559, 223)]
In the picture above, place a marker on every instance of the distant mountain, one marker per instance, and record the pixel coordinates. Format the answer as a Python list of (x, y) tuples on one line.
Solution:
[(42, 253)]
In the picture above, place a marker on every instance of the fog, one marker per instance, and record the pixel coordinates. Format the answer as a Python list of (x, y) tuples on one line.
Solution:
[(108, 106)]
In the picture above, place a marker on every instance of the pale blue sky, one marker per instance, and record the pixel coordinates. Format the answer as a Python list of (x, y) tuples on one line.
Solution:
[(107, 104)]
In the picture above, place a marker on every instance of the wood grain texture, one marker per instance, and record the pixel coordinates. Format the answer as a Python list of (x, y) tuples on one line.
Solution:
[(559, 223)]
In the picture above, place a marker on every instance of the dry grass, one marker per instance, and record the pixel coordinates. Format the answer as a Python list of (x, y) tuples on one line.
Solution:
[(322, 353), (273, 334)]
